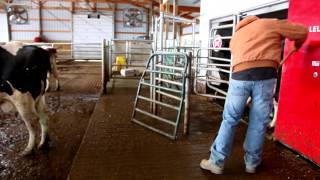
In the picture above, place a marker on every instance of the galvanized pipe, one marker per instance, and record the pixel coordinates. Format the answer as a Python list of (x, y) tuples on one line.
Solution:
[(217, 89), (154, 116), (213, 80), (178, 19), (169, 67), (169, 95), (154, 129), (214, 64), (170, 82), (219, 59), (162, 72), (215, 69), (158, 102)]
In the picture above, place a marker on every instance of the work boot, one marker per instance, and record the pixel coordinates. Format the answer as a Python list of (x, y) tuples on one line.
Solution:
[(208, 165), (250, 170)]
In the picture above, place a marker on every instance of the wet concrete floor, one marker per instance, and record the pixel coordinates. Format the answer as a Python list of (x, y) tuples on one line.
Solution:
[(115, 148), (69, 111)]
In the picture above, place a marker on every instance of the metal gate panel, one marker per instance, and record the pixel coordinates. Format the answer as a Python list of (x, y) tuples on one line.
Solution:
[(214, 68), (161, 93)]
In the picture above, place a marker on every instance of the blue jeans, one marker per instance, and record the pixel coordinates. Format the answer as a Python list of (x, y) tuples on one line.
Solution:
[(261, 93)]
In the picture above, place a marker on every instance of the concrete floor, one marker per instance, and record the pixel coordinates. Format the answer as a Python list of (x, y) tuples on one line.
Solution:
[(115, 148)]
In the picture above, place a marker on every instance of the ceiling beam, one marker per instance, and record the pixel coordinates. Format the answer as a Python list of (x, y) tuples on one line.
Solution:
[(138, 5), (182, 8), (187, 16), (189, 9), (141, 2)]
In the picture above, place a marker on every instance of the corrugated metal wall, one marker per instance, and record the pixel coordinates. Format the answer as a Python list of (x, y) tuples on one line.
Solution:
[(57, 21), (27, 32), (88, 34), (91, 30)]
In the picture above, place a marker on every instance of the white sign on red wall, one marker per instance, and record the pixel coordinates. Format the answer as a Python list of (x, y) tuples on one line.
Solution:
[(314, 29), (217, 42)]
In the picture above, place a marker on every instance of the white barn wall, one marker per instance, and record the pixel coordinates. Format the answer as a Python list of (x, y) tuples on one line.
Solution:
[(216, 8), (27, 32), (91, 30), (3, 30), (57, 23)]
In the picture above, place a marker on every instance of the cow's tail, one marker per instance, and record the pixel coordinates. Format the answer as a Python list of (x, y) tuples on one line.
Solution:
[(11, 86)]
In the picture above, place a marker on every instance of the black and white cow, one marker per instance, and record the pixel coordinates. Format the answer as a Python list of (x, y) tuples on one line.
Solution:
[(23, 73)]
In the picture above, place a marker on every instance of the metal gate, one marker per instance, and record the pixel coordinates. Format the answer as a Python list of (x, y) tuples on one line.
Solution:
[(161, 93), (213, 65)]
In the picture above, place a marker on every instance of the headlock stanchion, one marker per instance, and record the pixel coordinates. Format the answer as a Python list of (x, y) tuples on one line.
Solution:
[(163, 88)]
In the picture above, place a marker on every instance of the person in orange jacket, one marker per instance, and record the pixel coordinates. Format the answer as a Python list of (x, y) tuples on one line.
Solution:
[(256, 50)]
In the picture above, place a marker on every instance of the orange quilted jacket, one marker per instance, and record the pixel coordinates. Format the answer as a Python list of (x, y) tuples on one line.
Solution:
[(257, 42)]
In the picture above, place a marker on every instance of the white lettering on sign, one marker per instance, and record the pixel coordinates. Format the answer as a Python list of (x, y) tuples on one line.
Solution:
[(314, 29), (315, 63)]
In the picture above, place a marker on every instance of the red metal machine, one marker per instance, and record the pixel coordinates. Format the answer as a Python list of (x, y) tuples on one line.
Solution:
[(298, 118)]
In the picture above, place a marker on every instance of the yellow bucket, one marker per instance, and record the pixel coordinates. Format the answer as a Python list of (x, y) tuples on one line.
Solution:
[(120, 62)]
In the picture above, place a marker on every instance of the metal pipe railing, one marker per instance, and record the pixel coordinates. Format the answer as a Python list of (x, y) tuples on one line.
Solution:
[(74, 51)]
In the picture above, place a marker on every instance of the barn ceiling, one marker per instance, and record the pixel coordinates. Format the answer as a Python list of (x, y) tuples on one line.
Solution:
[(186, 8)]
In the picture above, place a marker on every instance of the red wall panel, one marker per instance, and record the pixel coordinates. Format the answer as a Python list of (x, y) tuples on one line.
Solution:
[(298, 118)]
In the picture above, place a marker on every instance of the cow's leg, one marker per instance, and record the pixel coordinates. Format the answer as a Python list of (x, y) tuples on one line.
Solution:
[(47, 82), (41, 109), (25, 105), (55, 71), (57, 82)]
